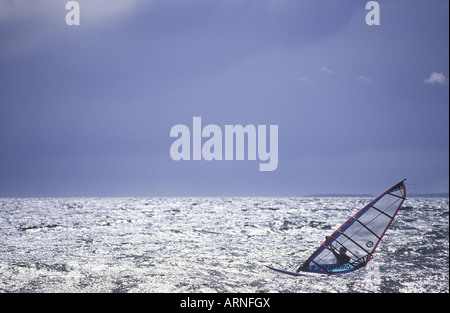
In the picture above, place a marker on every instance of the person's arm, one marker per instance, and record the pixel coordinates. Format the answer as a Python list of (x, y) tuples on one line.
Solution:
[(332, 248)]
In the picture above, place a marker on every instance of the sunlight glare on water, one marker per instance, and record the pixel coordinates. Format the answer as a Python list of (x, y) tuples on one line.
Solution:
[(209, 245)]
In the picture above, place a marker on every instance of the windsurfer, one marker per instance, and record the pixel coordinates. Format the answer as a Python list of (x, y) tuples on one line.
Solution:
[(341, 254)]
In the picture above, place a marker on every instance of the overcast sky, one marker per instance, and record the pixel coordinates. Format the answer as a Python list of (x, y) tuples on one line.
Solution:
[(87, 110)]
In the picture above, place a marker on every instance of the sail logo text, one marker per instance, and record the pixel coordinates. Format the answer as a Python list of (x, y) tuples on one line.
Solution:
[(330, 267), (233, 142)]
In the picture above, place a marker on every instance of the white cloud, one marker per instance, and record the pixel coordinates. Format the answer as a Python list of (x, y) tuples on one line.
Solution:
[(34, 24), (326, 70), (436, 78), (110, 10), (365, 79), (48, 10)]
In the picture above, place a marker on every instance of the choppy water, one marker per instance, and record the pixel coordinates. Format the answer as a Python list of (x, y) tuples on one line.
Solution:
[(209, 245)]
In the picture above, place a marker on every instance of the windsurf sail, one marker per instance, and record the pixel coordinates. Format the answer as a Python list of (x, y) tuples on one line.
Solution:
[(352, 245)]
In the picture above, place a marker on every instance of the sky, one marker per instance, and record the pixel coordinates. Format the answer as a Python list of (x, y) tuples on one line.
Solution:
[(86, 110)]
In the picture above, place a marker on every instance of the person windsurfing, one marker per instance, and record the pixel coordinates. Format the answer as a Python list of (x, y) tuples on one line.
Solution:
[(341, 255)]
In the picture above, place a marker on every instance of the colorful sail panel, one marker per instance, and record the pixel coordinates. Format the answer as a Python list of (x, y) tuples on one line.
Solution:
[(352, 245)]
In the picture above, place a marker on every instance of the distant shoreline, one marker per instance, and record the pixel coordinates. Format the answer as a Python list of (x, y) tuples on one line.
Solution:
[(324, 195), (413, 195), (339, 195), (429, 195)]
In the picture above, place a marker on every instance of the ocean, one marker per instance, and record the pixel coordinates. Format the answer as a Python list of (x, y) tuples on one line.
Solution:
[(210, 245)]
